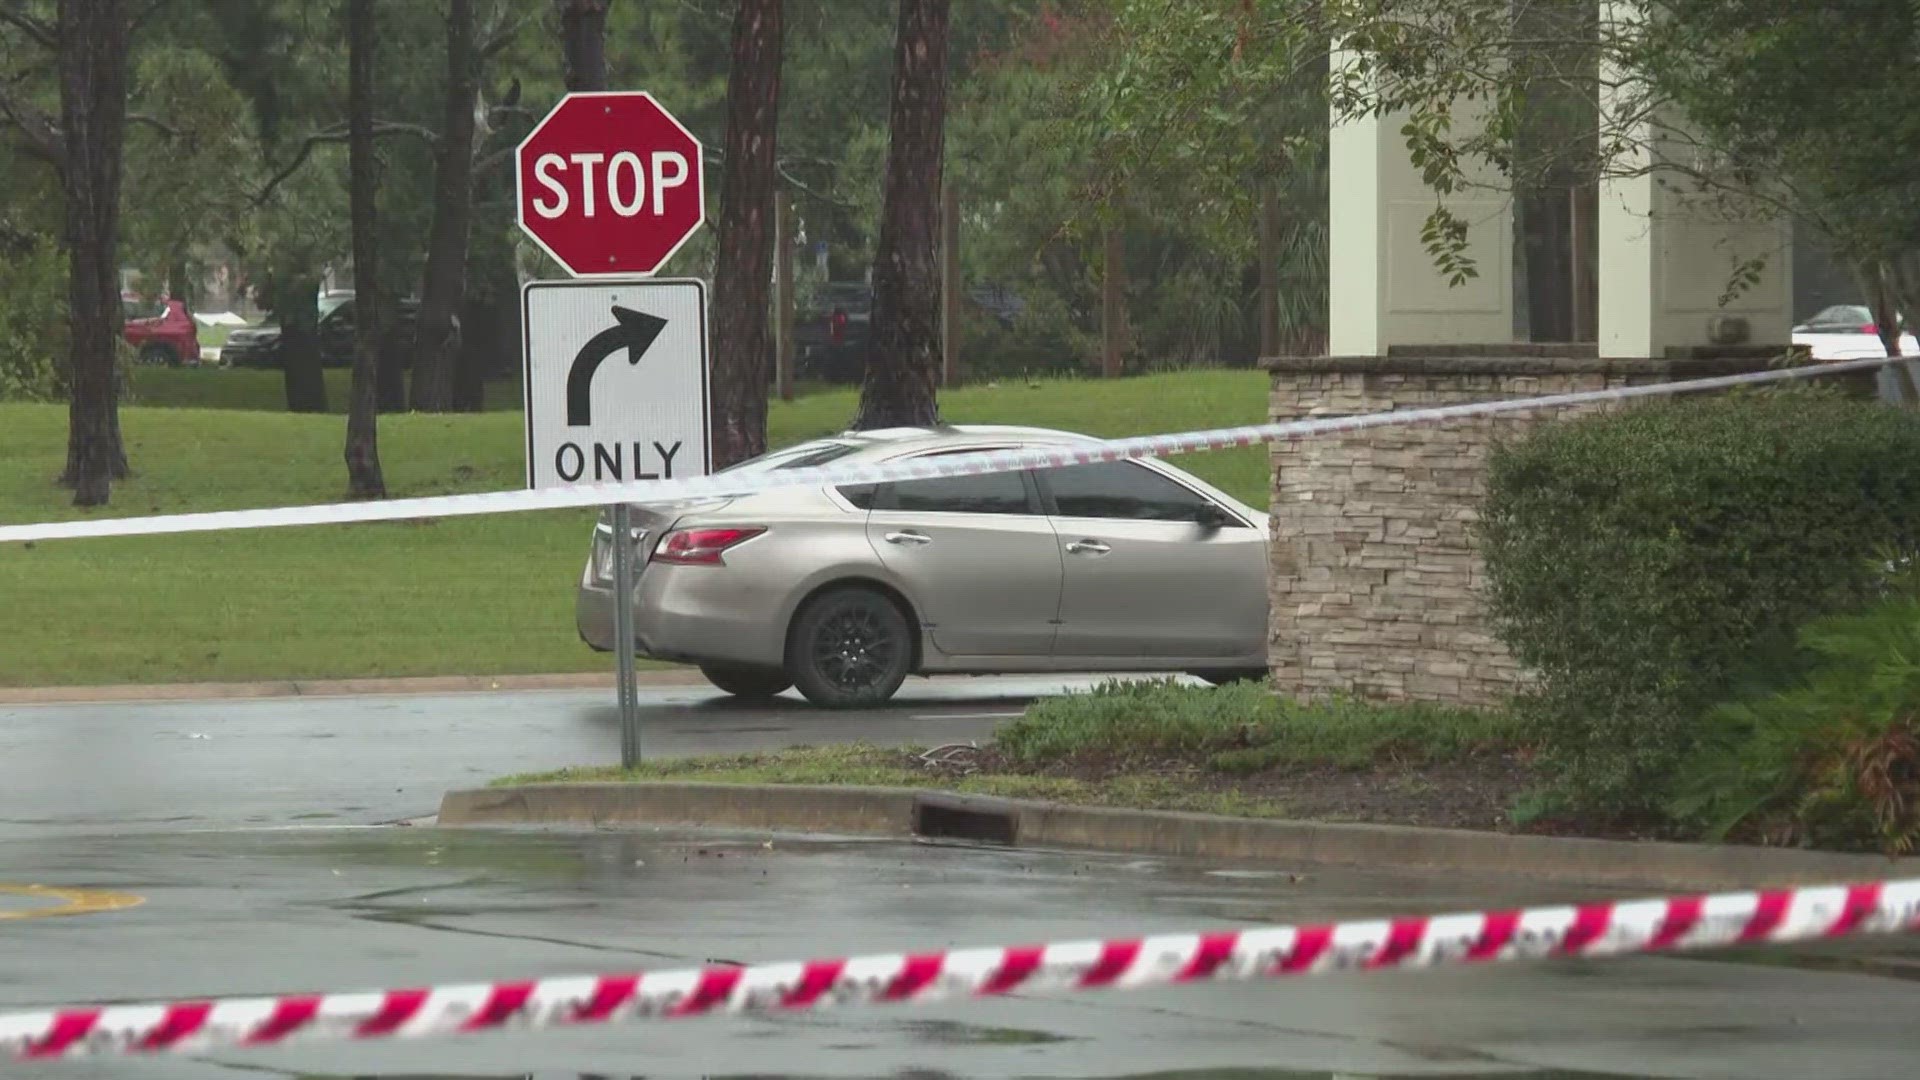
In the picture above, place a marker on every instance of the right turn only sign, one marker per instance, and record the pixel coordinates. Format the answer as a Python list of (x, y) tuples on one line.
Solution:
[(615, 381)]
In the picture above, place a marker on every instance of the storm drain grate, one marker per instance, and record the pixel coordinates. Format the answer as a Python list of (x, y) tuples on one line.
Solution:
[(950, 819)]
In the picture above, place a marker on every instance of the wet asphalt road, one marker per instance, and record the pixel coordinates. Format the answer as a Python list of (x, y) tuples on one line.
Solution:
[(248, 892), (362, 760)]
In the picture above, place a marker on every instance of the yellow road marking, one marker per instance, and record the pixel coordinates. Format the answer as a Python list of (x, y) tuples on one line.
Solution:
[(73, 901)]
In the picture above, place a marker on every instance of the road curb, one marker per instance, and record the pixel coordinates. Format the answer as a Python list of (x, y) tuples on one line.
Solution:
[(909, 812), (431, 684), (863, 811)]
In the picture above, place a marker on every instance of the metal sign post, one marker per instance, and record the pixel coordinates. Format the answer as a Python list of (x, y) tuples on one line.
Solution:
[(623, 645), (616, 390), (652, 425)]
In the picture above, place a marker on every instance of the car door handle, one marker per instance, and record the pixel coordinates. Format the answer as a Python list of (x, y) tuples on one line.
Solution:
[(908, 536), (1088, 547)]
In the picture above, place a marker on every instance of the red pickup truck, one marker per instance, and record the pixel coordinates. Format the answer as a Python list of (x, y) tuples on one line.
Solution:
[(167, 336)]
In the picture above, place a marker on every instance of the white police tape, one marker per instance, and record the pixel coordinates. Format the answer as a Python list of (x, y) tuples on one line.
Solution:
[(748, 482), (1515, 935)]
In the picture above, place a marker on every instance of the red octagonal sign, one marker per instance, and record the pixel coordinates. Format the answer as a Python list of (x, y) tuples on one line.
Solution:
[(610, 183)]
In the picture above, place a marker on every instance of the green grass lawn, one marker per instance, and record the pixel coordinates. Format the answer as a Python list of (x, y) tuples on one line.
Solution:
[(459, 596), (900, 767), (1239, 749), (253, 388)]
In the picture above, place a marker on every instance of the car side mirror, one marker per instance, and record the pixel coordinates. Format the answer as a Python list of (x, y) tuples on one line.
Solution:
[(1209, 516)]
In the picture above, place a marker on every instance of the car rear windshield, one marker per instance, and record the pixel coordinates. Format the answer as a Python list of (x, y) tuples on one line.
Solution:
[(803, 456)]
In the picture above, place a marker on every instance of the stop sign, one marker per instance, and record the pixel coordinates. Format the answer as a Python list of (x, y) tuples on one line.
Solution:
[(610, 183)]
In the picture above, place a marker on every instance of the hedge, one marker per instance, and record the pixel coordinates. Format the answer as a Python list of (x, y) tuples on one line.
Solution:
[(1651, 562)]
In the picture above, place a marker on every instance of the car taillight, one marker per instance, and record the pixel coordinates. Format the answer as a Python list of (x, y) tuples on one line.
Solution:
[(837, 327), (1870, 328), (701, 547)]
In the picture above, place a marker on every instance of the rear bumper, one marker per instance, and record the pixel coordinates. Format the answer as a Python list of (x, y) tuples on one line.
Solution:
[(247, 355), (686, 615)]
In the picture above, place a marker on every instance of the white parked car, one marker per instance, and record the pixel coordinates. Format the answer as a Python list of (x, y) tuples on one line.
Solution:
[(843, 591), (1846, 332)]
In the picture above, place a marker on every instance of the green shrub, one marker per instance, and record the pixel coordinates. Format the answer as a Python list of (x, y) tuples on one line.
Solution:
[(1041, 342), (33, 320), (1645, 563), (1832, 761), (1244, 728)]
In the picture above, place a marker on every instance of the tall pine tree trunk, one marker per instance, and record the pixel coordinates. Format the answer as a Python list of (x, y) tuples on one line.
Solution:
[(300, 366), (490, 327), (745, 265), (583, 42), (480, 338), (437, 346), (363, 417), (393, 357), (93, 117), (903, 348)]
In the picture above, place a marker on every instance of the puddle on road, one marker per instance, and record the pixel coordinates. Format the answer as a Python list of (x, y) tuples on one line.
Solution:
[(1883, 958), (949, 1033), (422, 916)]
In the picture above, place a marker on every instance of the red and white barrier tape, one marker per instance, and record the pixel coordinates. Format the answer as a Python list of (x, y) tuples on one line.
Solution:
[(722, 485), (1588, 931)]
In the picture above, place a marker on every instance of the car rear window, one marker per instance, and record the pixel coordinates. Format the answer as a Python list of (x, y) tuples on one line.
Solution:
[(859, 496), (803, 456)]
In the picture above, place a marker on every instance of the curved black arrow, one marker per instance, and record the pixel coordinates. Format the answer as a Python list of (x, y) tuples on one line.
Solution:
[(634, 331)]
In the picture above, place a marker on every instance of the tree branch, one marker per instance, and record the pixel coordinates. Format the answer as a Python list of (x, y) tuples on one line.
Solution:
[(503, 37), (336, 134), (140, 17), (42, 33), (43, 139), (490, 162), (155, 123), (801, 186), (520, 111), (717, 155), (400, 127), (299, 158)]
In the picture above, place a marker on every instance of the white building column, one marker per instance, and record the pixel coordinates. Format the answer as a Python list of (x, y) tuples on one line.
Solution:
[(1669, 252), (1383, 289)]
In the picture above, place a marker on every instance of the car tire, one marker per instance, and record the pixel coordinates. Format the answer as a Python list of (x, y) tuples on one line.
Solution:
[(746, 682), (849, 649), (1224, 678), (159, 356)]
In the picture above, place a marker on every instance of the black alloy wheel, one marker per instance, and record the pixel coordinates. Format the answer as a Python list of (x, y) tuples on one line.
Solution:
[(849, 649)]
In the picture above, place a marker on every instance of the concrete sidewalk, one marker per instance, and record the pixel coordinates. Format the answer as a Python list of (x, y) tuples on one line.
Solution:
[(428, 684)]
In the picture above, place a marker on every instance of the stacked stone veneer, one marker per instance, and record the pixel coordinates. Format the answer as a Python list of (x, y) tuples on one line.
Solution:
[(1376, 577)]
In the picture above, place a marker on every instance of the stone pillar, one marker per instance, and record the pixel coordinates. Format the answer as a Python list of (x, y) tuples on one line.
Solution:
[(1383, 289), (1668, 252), (1376, 573)]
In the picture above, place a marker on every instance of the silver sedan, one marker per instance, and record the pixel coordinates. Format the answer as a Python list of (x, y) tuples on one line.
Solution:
[(845, 591)]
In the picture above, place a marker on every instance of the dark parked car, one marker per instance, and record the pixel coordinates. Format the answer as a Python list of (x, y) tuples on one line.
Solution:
[(259, 346), (830, 338)]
